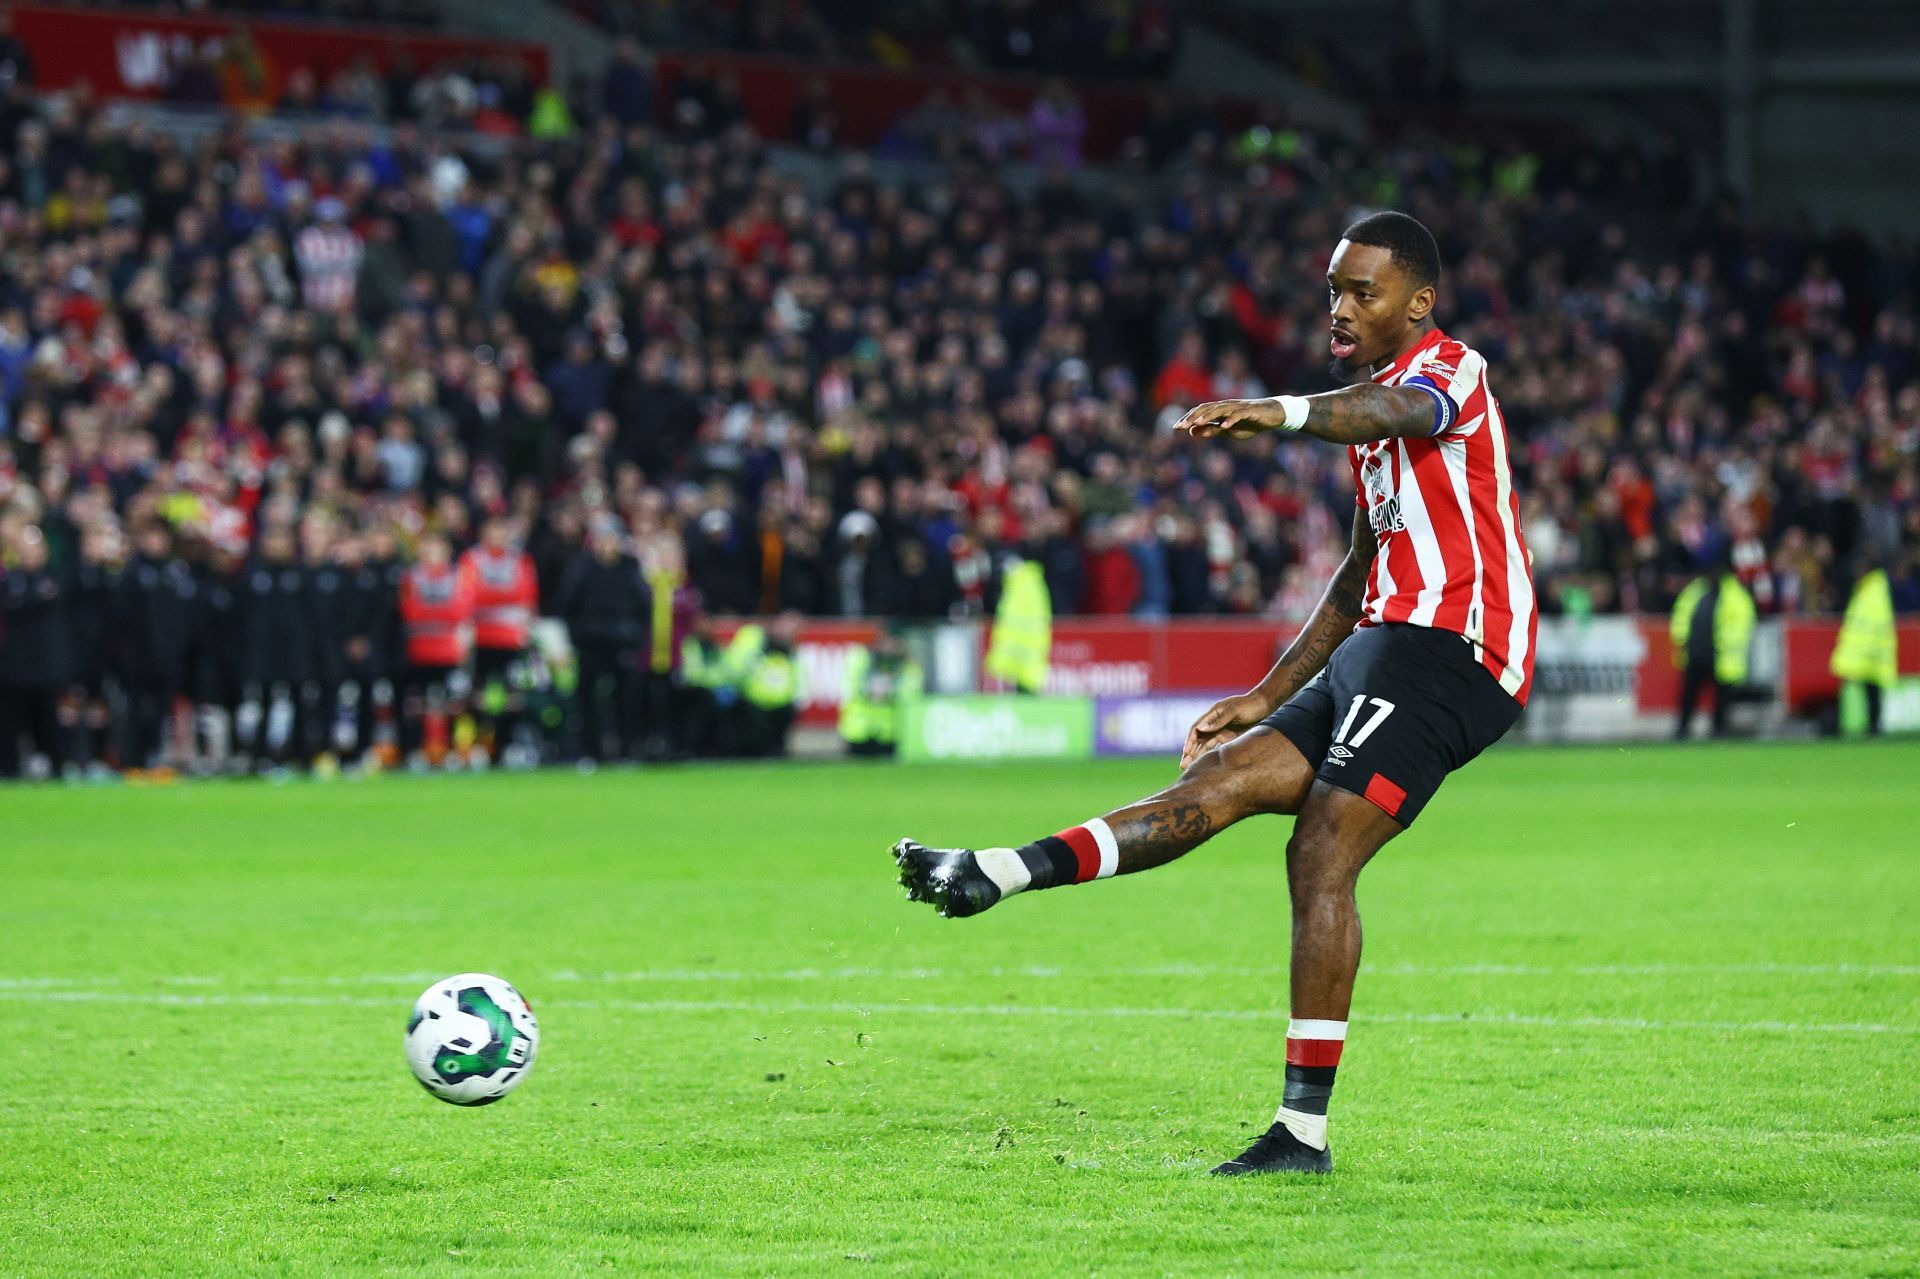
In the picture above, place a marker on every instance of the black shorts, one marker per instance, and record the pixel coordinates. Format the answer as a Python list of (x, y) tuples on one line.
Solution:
[(1397, 708)]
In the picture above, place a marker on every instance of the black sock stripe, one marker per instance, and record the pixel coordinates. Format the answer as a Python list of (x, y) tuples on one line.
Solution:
[(1321, 1075), (1050, 862)]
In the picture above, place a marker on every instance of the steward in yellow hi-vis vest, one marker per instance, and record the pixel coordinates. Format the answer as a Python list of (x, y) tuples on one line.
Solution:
[(769, 666), (707, 694), (880, 680), (1866, 655), (1712, 629), (1022, 644)]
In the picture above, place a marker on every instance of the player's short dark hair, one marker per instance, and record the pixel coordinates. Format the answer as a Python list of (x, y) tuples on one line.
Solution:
[(1411, 244)]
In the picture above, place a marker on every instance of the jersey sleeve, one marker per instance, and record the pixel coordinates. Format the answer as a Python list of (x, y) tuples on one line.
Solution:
[(1451, 376)]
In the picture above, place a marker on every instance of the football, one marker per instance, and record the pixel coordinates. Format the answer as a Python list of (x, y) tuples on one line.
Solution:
[(471, 1039)]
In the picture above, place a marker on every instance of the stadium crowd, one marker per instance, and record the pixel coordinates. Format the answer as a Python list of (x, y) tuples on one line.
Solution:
[(1132, 38), (386, 13), (298, 437)]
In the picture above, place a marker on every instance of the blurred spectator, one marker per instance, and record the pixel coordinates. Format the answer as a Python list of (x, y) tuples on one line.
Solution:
[(436, 609), (328, 254), (1712, 631), (1056, 127), (35, 641), (881, 678), (280, 657), (766, 664), (1075, 37), (673, 609), (604, 603), (505, 594), (816, 121), (626, 94)]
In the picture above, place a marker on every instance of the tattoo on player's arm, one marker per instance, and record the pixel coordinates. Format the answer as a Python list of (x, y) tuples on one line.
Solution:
[(1347, 593), (1332, 621), (1367, 412)]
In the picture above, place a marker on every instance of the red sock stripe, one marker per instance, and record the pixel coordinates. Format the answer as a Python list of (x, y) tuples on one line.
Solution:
[(1314, 1052), (1086, 851)]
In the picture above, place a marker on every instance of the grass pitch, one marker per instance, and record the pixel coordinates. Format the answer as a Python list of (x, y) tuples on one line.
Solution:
[(1650, 1011)]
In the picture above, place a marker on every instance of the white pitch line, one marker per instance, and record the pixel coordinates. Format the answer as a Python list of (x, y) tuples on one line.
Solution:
[(982, 1010), (43, 983), (1040, 972), (1046, 971)]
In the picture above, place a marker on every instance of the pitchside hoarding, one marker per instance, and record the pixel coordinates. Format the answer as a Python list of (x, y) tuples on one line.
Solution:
[(991, 727), (1152, 725), (1600, 678)]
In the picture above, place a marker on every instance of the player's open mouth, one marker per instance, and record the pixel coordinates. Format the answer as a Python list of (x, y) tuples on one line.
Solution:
[(1342, 346)]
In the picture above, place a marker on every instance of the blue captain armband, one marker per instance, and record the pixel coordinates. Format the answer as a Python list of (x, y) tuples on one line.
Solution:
[(1443, 405)]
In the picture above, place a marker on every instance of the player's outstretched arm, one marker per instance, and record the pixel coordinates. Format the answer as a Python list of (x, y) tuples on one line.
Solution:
[(1352, 415), (1332, 621)]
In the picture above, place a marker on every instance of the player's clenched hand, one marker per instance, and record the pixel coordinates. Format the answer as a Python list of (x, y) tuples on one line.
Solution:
[(1224, 721), (1239, 419)]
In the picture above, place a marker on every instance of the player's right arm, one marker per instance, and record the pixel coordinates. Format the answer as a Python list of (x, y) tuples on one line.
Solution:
[(1332, 621), (1351, 415)]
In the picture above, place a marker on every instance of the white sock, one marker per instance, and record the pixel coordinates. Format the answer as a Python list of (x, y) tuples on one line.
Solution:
[(1005, 868), (1313, 1047), (1311, 1130)]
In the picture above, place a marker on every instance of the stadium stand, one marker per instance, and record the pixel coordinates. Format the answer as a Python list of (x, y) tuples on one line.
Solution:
[(430, 297)]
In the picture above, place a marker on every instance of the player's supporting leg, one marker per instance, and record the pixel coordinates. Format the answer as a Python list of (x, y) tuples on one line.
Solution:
[(1259, 772), (1337, 833)]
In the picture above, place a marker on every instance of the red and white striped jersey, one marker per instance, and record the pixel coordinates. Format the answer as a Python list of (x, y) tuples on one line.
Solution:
[(329, 259), (1447, 519)]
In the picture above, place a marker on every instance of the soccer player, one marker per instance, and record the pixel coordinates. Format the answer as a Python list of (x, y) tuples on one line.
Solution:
[(1418, 657)]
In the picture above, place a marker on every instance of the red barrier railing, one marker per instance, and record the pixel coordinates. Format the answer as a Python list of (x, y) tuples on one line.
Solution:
[(131, 54)]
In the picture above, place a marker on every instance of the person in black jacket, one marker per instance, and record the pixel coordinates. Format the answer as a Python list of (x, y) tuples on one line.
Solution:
[(603, 600), (327, 587), (159, 611), (361, 635), (386, 638), (722, 562), (277, 655), (917, 581), (214, 674), (34, 650), (1060, 559), (96, 580), (804, 584)]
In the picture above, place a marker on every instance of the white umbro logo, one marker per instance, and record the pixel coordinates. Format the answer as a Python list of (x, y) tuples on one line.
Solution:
[(1340, 753)]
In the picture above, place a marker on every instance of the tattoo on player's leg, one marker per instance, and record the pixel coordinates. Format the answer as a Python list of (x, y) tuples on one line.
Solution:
[(1174, 828)]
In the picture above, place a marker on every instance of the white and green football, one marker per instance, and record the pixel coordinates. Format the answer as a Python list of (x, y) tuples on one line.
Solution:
[(471, 1039)]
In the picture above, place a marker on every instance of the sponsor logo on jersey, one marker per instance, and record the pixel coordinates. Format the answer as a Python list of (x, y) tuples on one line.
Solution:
[(1383, 504)]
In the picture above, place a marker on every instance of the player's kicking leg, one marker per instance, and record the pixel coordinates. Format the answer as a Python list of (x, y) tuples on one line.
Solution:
[(1261, 772)]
